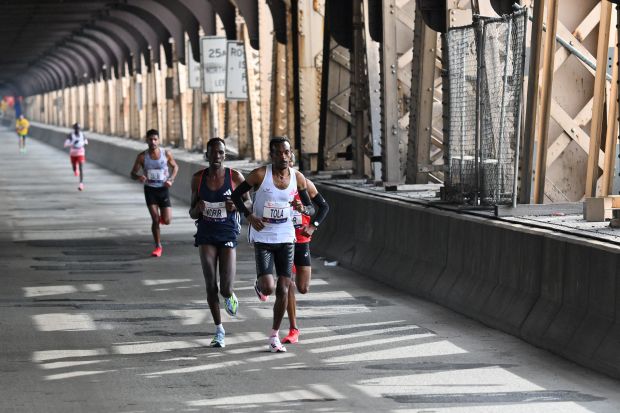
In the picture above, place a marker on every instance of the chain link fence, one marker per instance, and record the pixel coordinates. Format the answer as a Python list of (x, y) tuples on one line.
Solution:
[(483, 84)]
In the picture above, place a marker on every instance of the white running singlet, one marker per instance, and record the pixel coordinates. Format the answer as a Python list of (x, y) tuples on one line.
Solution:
[(272, 206)]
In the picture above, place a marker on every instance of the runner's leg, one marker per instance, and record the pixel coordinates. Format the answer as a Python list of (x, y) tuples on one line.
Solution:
[(154, 211), (166, 215), (283, 258), (228, 270), (208, 260)]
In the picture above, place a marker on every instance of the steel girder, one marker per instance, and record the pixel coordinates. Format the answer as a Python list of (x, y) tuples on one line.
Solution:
[(249, 11), (110, 32), (106, 58), (113, 49), (227, 14)]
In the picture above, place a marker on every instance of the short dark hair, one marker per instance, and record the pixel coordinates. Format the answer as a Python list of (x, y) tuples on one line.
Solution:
[(152, 132), (277, 140), (213, 141)]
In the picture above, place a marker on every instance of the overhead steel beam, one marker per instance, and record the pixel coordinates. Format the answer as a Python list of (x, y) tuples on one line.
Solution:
[(86, 65), (118, 50), (107, 57), (227, 13), (68, 66), (140, 29), (52, 68), (188, 24), (109, 32), (249, 11), (168, 19), (278, 14), (95, 62), (162, 34), (204, 14)]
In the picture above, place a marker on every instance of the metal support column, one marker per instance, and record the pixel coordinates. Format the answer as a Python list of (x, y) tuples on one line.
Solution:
[(527, 151), (359, 93), (389, 96), (421, 110)]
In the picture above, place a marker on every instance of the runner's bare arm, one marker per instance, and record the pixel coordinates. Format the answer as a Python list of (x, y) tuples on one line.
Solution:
[(175, 168), (138, 165), (196, 207)]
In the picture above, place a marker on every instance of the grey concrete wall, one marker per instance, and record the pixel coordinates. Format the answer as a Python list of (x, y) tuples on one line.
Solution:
[(555, 291)]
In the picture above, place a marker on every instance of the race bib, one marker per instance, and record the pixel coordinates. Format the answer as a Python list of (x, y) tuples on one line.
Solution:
[(296, 218), (215, 212), (276, 212), (157, 175)]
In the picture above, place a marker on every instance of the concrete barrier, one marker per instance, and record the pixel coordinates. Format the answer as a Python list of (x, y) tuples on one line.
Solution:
[(555, 291)]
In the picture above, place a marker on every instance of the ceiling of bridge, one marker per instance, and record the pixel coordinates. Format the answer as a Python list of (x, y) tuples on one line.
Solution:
[(50, 44)]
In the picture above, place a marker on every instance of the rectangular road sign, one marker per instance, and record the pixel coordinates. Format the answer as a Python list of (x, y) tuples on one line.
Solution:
[(213, 60), (236, 76), (193, 69)]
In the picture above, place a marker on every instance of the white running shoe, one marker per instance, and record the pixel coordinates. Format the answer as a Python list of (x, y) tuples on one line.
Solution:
[(275, 346)]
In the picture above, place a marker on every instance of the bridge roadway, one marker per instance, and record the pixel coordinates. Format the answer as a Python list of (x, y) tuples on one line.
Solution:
[(91, 323)]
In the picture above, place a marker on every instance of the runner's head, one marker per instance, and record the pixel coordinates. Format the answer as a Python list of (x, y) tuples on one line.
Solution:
[(280, 152), (76, 127), (152, 139), (216, 152)]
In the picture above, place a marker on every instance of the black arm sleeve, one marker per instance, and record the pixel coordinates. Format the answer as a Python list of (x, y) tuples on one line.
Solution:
[(237, 198), (323, 208), (307, 202)]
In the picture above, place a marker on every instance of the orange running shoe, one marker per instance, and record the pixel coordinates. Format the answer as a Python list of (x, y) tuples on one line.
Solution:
[(293, 336), (157, 252)]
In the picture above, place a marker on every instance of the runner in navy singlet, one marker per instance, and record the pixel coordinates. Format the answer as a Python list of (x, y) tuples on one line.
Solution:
[(218, 225)]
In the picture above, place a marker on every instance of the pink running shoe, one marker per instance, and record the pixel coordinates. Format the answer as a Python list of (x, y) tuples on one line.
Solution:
[(157, 252), (293, 336), (260, 295), (275, 346), (81, 187)]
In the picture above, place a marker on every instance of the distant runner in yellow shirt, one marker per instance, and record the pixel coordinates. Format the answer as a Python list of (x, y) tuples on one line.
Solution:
[(21, 127)]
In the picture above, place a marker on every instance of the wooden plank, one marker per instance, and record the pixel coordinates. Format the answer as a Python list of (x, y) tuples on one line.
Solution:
[(569, 126), (588, 24), (611, 138), (573, 130), (599, 98), (547, 85), (525, 189), (422, 77)]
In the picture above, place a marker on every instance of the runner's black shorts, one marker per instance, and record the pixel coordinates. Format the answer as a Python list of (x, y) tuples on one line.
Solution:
[(157, 196), (302, 254), (279, 254)]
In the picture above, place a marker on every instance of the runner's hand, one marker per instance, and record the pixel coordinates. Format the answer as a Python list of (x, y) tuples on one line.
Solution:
[(256, 223), (168, 183), (297, 205), (230, 205), (307, 230), (202, 205), (142, 178)]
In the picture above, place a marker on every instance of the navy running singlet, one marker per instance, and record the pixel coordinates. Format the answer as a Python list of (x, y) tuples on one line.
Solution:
[(216, 225)]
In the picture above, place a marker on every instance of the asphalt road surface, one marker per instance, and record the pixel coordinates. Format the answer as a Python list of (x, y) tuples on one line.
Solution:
[(91, 323)]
